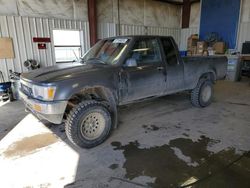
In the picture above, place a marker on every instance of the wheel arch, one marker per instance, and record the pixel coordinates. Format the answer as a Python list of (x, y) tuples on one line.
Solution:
[(96, 92), (211, 74)]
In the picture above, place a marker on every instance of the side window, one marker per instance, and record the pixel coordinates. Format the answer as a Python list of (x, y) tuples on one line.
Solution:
[(169, 51), (146, 51)]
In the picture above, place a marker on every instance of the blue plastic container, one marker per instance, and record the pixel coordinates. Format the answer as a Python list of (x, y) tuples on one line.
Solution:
[(5, 86), (183, 53)]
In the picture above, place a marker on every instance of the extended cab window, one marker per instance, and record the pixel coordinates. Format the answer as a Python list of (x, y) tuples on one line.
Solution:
[(146, 51), (169, 51)]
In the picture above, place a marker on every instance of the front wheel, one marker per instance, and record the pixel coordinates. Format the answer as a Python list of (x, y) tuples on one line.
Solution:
[(88, 124), (201, 95)]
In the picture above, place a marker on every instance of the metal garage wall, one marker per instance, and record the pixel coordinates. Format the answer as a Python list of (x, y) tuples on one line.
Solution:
[(149, 30), (111, 29), (132, 29), (165, 31), (106, 30), (23, 29)]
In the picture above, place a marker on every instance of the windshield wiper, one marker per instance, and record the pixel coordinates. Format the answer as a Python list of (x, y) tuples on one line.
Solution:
[(82, 60)]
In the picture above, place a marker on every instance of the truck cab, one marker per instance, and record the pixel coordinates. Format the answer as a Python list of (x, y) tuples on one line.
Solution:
[(149, 69)]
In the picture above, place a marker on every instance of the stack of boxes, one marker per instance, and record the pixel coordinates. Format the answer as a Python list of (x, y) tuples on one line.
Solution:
[(192, 45), (219, 47), (200, 48)]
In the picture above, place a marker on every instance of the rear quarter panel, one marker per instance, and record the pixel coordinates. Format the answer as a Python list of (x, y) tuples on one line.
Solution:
[(195, 67)]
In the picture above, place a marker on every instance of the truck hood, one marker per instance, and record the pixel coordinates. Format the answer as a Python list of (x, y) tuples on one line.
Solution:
[(61, 72)]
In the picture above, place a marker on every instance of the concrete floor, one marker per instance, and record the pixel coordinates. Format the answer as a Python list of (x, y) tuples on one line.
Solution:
[(163, 142)]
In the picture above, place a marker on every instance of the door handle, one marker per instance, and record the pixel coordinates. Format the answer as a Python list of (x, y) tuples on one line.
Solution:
[(160, 68)]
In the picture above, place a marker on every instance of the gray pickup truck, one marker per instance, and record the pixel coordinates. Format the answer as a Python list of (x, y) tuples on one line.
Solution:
[(116, 71)]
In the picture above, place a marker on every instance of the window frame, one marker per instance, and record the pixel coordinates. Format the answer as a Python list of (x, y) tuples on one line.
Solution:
[(163, 51), (69, 46), (157, 62)]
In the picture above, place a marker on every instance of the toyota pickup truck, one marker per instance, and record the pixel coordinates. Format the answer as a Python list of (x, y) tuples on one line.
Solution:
[(116, 71)]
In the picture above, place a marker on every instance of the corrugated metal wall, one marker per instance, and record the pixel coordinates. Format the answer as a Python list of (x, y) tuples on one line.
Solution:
[(111, 29), (106, 30), (165, 31), (23, 29), (132, 29), (149, 30)]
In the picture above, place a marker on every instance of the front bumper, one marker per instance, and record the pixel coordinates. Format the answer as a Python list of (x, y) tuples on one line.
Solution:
[(50, 111)]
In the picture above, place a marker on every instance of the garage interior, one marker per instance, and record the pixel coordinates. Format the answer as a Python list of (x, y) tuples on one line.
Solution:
[(160, 142)]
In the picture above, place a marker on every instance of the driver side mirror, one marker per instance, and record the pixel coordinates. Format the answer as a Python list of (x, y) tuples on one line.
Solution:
[(131, 62)]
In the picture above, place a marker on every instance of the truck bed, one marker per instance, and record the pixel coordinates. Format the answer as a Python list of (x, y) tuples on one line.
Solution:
[(200, 64)]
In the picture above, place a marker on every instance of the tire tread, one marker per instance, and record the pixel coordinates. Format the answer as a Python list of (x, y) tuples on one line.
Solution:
[(73, 116), (195, 93)]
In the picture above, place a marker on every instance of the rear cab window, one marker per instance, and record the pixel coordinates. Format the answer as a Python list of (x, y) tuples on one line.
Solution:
[(169, 51)]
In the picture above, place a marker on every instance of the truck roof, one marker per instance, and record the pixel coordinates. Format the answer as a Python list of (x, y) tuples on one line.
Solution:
[(137, 36)]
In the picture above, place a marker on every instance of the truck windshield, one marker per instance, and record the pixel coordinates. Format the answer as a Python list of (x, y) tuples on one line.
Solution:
[(106, 51)]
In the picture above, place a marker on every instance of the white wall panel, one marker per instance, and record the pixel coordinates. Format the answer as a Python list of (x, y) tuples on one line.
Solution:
[(132, 29), (110, 29), (195, 15), (243, 35), (106, 30), (61, 9), (165, 31), (8, 7), (23, 29), (244, 26)]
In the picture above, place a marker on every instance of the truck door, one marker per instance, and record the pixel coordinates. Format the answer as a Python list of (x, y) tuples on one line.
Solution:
[(143, 72), (175, 67)]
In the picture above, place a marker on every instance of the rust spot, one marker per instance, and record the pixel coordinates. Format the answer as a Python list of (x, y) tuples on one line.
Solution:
[(30, 145)]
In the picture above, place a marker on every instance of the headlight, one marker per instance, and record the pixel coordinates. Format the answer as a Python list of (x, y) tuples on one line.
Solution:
[(46, 93)]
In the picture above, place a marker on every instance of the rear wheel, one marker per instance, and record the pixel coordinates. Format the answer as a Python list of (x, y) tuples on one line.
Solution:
[(88, 124), (201, 95)]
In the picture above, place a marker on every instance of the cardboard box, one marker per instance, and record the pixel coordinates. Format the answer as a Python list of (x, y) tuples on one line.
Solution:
[(192, 51), (189, 53), (194, 36), (201, 45), (192, 41), (219, 47), (200, 52)]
